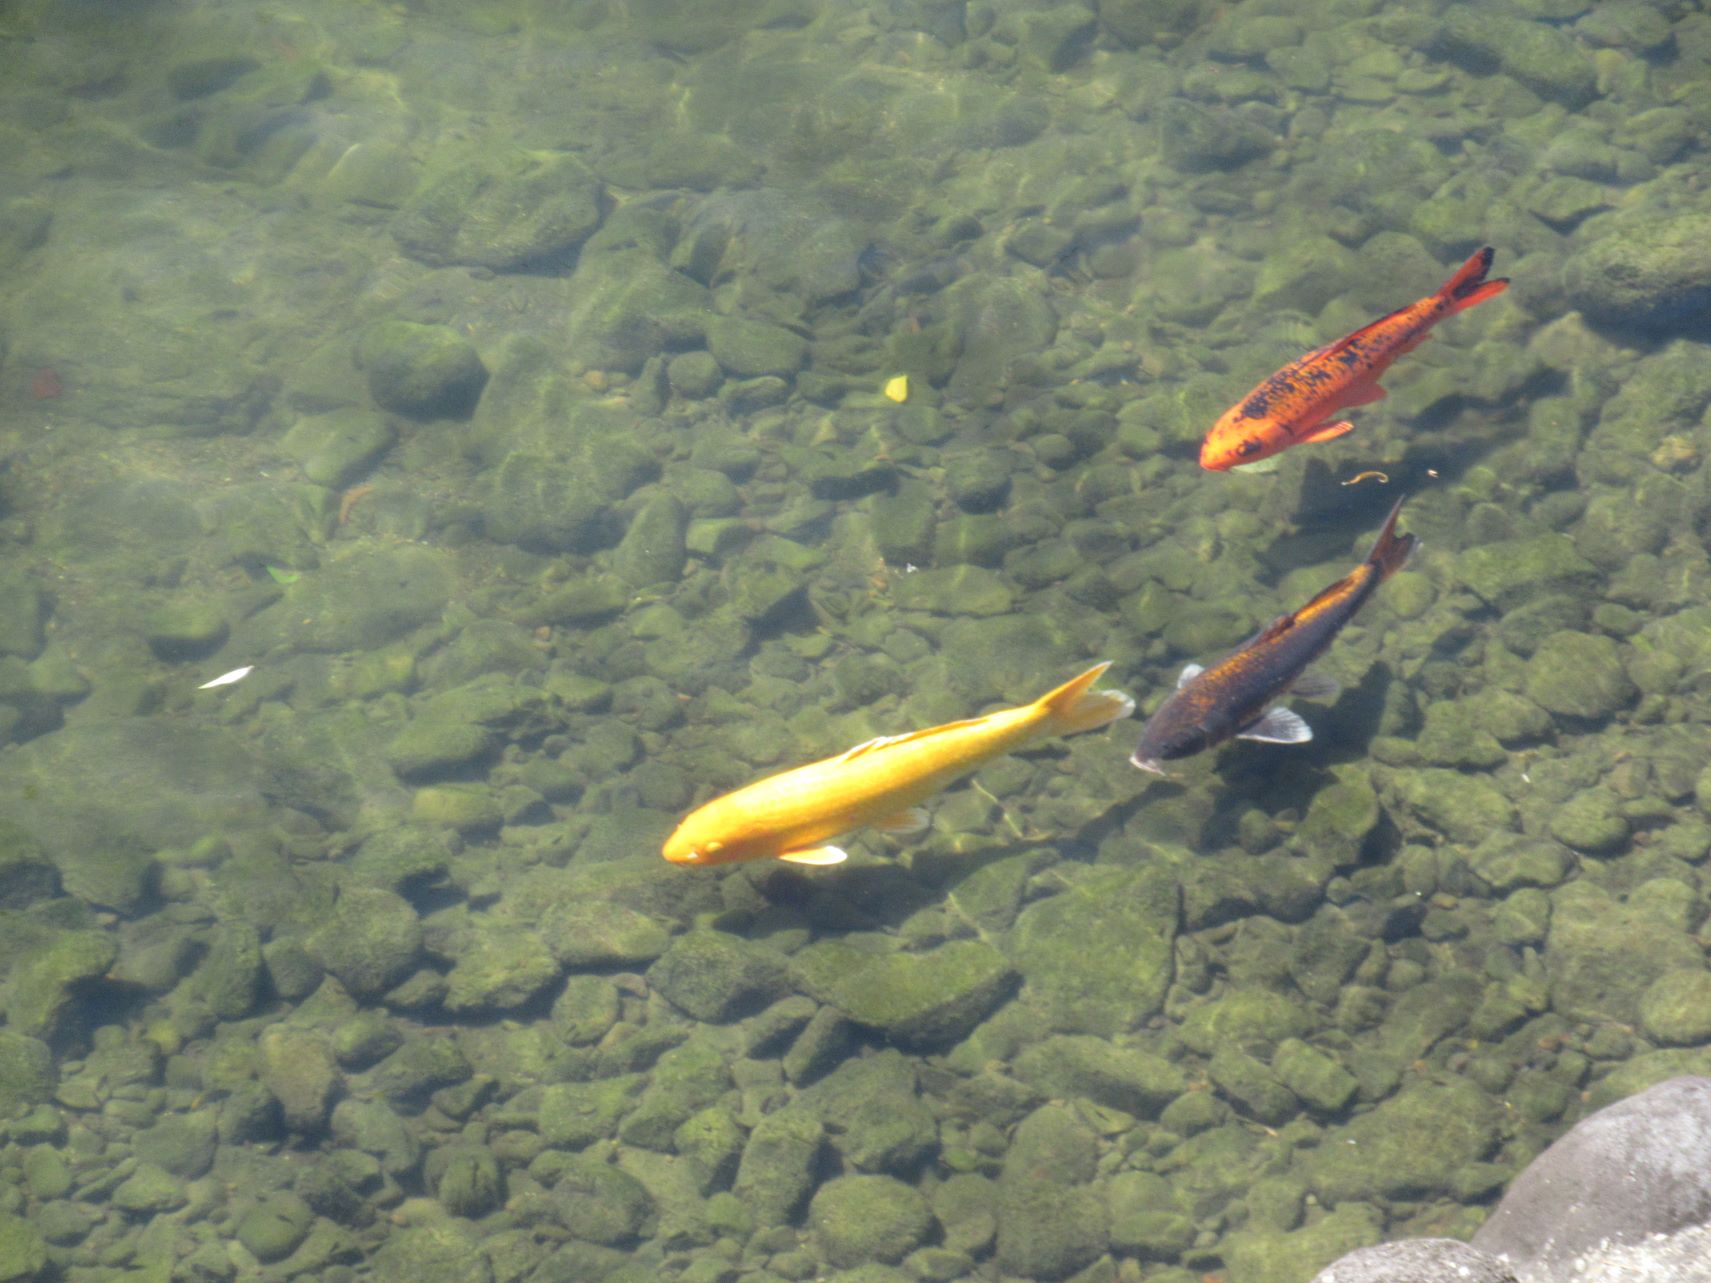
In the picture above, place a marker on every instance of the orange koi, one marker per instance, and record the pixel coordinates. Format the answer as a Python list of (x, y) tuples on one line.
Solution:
[(1297, 405), (794, 814), (1233, 698)]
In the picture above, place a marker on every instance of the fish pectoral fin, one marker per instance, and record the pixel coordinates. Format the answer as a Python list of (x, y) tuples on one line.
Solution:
[(913, 820), (1315, 684), (1364, 393), (817, 855), (1327, 431), (1278, 726), (1189, 673)]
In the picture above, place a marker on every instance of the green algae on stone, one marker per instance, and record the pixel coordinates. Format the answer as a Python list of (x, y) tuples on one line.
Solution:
[(1249, 1084), (506, 212), (717, 977), (467, 808), (867, 1218), (429, 748), (1145, 1217), (422, 371), (1467, 808), (1135, 1081), (1100, 955), (370, 942), (49, 978), (712, 1141), (1603, 955), (1543, 58), (627, 306), (1265, 1256), (465, 1178), (572, 1115), (926, 999), (300, 1069), (27, 1074), (778, 1164), (1676, 1008), (1254, 1019), (1509, 571), (1507, 861), (1199, 139), (501, 969), (685, 1079), (1578, 675), (185, 630), (1340, 819), (874, 1115), (598, 935), (149, 1189), (1409, 1146), (440, 1251), (1313, 1075), (652, 550), (337, 447), (1591, 821), (359, 602), (274, 1228), (1643, 269), (418, 1068)]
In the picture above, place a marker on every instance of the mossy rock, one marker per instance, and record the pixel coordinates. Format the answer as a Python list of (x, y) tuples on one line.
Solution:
[(506, 212), (1254, 1019), (926, 1000), (1604, 955), (1409, 1146), (1578, 675), (422, 371), (717, 977), (1069, 1065), (868, 1218), (1100, 956)]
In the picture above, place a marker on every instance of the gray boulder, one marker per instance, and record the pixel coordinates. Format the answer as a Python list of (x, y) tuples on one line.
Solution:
[(1568, 1203), (1420, 1260)]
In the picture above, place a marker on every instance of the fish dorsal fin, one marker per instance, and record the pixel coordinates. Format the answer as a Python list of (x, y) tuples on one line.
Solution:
[(885, 741), (1354, 336), (1278, 726), (1189, 673), (819, 856), (1276, 628), (867, 746)]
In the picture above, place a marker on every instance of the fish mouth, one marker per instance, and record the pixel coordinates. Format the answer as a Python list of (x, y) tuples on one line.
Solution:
[(1148, 764)]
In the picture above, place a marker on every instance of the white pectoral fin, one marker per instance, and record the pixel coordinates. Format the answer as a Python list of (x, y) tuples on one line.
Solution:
[(913, 820), (817, 855), (1189, 673), (1278, 726), (1314, 684)]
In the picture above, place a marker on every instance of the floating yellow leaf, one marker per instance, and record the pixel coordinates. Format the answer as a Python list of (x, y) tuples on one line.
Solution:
[(898, 389)]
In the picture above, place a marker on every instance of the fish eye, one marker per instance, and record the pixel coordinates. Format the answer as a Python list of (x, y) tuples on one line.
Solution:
[(1247, 447)]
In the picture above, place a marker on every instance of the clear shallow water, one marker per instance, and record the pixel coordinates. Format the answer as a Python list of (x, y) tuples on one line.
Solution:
[(368, 963)]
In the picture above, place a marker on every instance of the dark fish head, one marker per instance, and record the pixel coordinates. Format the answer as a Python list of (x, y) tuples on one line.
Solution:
[(1170, 733)]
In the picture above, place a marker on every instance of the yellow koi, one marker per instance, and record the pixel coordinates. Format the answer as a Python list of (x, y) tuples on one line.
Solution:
[(794, 814)]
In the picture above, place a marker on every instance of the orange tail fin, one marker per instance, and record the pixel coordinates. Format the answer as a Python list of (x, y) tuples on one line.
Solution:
[(1469, 286), (1076, 706), (1391, 551)]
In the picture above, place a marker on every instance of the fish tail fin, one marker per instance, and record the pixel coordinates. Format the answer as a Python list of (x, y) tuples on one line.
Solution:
[(1076, 706), (1391, 551), (1469, 286)]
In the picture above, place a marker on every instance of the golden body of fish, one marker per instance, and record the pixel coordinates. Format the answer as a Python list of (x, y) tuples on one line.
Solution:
[(794, 814)]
